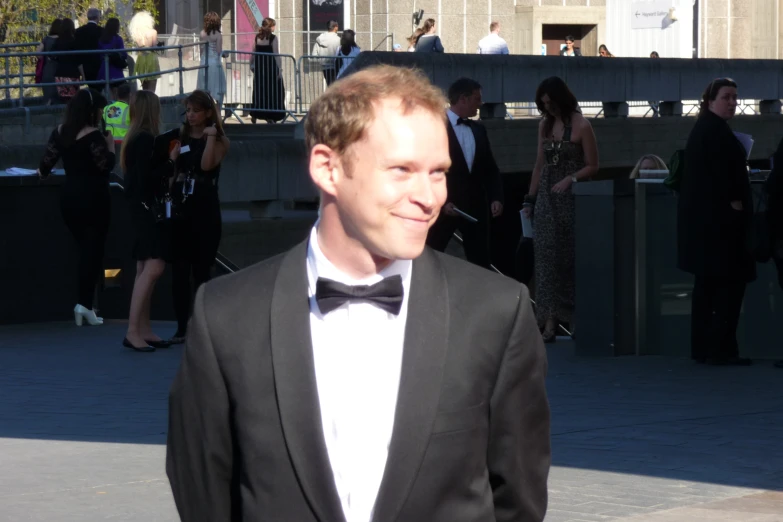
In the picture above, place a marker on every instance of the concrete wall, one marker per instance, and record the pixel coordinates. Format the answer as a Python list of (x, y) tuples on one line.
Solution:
[(530, 17)]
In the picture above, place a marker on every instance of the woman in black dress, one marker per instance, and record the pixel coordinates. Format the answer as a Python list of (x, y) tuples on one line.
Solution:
[(268, 87), (88, 158), (69, 68), (146, 182), (714, 213), (197, 224)]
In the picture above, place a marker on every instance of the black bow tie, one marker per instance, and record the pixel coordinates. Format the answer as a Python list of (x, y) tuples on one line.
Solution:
[(463, 121), (385, 294)]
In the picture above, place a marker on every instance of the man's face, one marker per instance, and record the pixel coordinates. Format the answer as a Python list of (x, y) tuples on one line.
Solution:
[(725, 102), (471, 104), (569, 44), (392, 183)]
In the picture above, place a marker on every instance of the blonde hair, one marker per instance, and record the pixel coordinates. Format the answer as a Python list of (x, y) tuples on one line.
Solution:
[(344, 112), (211, 22), (144, 116), (141, 27), (659, 165)]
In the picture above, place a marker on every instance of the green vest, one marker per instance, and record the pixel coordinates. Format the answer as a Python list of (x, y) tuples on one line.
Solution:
[(116, 116)]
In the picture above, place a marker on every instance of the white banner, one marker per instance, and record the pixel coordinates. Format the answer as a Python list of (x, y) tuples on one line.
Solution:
[(649, 14)]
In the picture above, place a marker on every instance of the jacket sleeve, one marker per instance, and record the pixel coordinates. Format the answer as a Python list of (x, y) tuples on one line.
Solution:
[(492, 178), (519, 453), (101, 156), (52, 154), (199, 456), (438, 46)]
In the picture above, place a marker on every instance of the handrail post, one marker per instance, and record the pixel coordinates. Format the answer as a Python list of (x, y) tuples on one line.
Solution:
[(206, 67), (181, 84), (298, 83), (106, 75), (21, 82), (7, 77)]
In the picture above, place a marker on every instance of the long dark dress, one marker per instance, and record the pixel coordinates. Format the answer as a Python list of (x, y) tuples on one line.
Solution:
[(145, 182), (196, 229), (554, 231), (268, 87), (85, 200), (49, 69), (67, 69)]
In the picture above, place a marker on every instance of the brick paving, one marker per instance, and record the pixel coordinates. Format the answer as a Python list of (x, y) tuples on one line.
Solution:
[(83, 427)]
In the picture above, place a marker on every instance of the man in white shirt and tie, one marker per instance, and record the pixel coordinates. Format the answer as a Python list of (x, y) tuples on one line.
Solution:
[(493, 43), (361, 377), (474, 182)]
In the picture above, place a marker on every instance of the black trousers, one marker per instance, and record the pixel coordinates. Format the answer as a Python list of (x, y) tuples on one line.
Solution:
[(195, 241), (89, 229), (475, 236), (330, 75), (715, 311)]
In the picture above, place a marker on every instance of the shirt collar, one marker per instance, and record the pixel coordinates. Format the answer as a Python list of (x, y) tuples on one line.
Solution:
[(319, 266), (452, 117)]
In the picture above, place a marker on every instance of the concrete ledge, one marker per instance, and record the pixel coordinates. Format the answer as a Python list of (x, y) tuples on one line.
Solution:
[(514, 78)]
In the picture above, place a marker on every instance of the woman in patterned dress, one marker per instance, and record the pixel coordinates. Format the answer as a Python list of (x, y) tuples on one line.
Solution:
[(567, 153)]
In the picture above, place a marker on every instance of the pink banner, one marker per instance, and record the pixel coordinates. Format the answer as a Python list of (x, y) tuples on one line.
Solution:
[(248, 15)]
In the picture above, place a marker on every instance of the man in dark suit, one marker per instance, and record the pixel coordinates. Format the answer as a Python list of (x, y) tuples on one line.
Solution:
[(361, 376), (474, 183), (87, 37)]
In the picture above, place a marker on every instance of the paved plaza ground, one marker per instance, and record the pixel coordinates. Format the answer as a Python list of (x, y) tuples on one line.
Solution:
[(83, 430)]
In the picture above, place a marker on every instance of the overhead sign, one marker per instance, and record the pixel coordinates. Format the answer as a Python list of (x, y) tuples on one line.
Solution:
[(650, 14)]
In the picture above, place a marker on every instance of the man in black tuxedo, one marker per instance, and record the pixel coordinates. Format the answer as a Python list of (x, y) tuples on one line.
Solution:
[(475, 185), (86, 39), (360, 376)]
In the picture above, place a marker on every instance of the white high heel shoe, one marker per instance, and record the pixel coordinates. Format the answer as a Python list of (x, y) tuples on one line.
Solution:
[(81, 313)]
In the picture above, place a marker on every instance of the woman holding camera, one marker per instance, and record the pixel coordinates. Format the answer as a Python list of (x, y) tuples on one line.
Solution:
[(87, 154), (146, 186), (197, 224)]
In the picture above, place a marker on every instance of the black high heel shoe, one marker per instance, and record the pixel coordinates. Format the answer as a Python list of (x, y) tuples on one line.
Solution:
[(127, 344), (159, 344)]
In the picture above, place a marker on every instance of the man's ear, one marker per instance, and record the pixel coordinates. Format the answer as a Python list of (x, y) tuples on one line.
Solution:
[(324, 168)]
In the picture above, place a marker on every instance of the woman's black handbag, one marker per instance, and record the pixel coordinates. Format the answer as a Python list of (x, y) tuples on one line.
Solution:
[(116, 60)]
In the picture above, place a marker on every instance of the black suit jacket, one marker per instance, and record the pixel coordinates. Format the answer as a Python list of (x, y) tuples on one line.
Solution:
[(473, 189), (87, 37), (713, 239), (471, 431)]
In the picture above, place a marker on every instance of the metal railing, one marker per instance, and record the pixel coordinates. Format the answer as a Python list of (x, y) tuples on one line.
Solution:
[(262, 86), (22, 57)]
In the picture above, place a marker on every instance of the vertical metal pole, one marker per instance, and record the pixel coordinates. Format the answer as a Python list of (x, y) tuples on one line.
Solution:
[(21, 82), (206, 66), (181, 85), (106, 87), (7, 78)]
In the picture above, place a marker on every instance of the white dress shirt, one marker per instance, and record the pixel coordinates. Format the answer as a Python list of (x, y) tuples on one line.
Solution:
[(467, 141), (357, 350), (492, 44)]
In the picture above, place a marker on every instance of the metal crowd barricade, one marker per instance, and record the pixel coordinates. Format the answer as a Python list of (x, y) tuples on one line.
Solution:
[(261, 86), (314, 71), (106, 83)]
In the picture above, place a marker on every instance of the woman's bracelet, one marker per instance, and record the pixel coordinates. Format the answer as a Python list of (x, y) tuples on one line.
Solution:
[(529, 201)]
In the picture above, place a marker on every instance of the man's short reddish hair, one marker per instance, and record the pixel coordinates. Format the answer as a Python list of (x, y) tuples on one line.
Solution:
[(344, 112)]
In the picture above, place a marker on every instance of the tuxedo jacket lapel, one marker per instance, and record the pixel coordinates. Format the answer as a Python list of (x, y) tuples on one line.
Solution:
[(424, 353), (297, 389)]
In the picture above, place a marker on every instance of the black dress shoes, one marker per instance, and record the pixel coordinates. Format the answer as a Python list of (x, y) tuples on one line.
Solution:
[(127, 344)]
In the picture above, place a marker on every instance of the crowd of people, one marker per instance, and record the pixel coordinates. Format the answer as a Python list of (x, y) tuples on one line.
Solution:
[(171, 186)]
